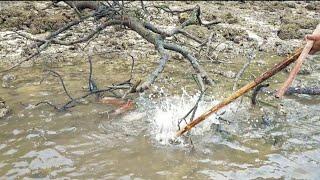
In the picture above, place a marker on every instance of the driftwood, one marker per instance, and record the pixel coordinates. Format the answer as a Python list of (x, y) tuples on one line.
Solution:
[(290, 91), (305, 90), (242, 91), (116, 14), (298, 65)]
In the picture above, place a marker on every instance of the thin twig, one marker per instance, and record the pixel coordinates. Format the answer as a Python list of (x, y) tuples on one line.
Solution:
[(92, 84), (245, 66), (62, 82), (132, 66), (47, 103), (193, 109), (167, 9), (43, 44)]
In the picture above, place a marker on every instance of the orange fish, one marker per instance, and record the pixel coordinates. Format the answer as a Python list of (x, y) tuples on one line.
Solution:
[(123, 106), (112, 101)]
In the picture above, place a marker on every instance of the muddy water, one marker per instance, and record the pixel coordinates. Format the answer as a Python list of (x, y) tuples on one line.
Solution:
[(261, 142)]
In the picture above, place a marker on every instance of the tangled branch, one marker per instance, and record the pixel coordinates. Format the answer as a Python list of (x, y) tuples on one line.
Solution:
[(116, 14)]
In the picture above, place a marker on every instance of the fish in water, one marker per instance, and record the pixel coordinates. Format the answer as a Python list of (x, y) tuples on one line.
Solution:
[(122, 105)]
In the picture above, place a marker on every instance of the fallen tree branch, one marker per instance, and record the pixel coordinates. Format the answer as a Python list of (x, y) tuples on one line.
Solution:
[(305, 90), (64, 28), (43, 44), (290, 91), (242, 91), (138, 27), (93, 89), (193, 61), (294, 90), (89, 36), (153, 35), (193, 20), (162, 62)]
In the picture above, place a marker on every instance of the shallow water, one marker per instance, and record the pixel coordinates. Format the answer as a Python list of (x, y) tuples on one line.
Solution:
[(39, 142)]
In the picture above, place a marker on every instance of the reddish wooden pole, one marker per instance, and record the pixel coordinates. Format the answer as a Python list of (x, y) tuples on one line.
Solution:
[(298, 65)]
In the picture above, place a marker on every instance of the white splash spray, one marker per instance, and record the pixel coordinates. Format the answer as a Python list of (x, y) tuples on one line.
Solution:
[(168, 111)]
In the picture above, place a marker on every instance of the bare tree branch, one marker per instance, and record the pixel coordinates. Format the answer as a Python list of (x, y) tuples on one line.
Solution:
[(43, 44), (162, 62), (193, 61)]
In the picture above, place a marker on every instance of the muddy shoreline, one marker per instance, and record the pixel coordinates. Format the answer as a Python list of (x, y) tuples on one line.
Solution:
[(275, 27)]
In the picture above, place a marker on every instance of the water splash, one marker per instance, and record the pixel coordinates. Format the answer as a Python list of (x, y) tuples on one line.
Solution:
[(167, 112)]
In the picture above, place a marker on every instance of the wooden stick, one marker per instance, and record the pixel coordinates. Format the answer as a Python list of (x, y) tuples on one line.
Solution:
[(298, 65), (242, 91)]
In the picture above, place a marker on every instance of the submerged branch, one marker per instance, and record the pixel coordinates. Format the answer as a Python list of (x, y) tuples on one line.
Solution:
[(278, 67), (305, 90), (162, 62), (62, 82)]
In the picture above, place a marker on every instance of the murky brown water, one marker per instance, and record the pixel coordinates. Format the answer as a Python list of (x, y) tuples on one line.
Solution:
[(39, 142)]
